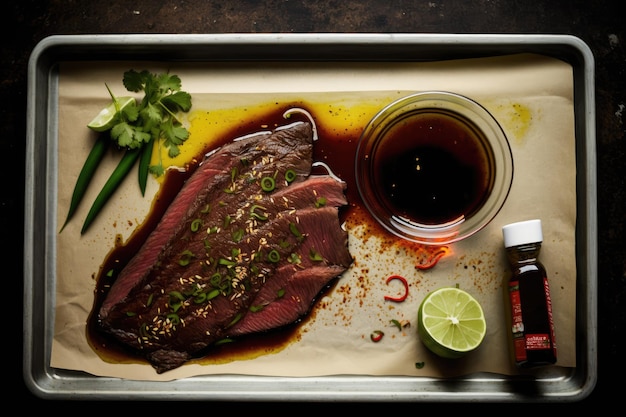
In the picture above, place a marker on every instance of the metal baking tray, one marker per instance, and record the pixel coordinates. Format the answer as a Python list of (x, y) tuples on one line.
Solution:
[(39, 250)]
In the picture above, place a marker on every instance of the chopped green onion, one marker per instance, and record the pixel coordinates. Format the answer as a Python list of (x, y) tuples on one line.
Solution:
[(176, 295), (238, 235), (227, 220), (212, 294), (175, 305), (200, 298), (185, 257), (273, 256), (226, 286), (320, 202), (173, 317), (268, 184), (195, 225), (143, 330), (290, 175), (255, 214), (226, 262), (314, 255), (234, 320), (295, 231), (294, 258), (215, 279), (196, 289)]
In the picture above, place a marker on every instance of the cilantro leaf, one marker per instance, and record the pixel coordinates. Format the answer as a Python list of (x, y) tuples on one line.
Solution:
[(129, 136), (157, 170), (179, 100), (152, 114), (135, 81), (169, 82), (174, 135)]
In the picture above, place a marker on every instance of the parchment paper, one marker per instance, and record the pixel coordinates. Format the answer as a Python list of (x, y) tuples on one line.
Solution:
[(531, 96)]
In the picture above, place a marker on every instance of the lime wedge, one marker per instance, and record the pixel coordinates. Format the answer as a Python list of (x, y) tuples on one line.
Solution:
[(451, 322), (108, 116)]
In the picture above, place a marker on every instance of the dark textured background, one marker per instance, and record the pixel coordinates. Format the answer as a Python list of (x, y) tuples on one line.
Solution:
[(599, 23)]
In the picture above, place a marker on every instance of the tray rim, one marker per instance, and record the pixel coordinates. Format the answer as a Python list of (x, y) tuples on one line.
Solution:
[(49, 383)]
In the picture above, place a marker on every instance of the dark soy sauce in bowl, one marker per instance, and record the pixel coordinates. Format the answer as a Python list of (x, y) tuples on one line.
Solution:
[(432, 167)]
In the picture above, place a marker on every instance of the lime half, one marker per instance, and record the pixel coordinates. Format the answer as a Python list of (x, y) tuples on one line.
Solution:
[(451, 322), (108, 116)]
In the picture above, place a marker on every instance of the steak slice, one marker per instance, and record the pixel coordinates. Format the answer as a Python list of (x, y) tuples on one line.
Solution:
[(316, 190), (291, 291), (287, 298), (240, 227)]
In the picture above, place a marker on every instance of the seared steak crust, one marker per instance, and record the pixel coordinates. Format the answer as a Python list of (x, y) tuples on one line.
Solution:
[(246, 246)]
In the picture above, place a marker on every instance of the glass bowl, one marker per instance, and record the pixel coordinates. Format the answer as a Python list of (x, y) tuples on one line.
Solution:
[(433, 167)]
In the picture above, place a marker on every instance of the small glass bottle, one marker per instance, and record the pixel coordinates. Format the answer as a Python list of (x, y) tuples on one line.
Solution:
[(532, 326)]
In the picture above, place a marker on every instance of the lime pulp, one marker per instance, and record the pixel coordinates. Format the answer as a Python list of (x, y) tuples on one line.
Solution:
[(451, 322), (108, 116)]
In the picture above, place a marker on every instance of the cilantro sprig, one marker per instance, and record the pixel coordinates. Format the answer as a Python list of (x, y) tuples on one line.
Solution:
[(135, 128), (155, 116)]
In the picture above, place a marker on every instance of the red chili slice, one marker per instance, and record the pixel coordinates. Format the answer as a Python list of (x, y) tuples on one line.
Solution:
[(406, 289), (377, 335), (432, 261)]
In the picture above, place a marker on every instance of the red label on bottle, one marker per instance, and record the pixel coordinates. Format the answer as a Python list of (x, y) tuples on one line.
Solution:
[(517, 324), (546, 287), (526, 342)]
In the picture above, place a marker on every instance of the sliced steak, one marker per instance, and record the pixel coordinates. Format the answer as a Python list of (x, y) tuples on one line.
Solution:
[(206, 186), (250, 223), (287, 298), (291, 291), (316, 190)]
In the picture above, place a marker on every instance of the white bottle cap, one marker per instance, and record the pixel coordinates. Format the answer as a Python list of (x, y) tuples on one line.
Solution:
[(522, 233)]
